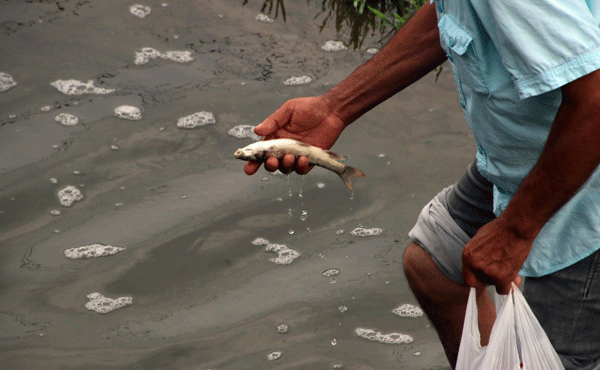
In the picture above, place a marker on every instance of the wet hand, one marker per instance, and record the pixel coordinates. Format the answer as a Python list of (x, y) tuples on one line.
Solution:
[(494, 256), (308, 119)]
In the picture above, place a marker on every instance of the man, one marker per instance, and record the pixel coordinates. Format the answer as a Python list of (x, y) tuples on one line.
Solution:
[(528, 81)]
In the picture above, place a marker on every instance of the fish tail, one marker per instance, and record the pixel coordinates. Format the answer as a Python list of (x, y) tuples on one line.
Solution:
[(348, 174)]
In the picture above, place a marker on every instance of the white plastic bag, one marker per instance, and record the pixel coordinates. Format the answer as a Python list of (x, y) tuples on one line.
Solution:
[(517, 340)]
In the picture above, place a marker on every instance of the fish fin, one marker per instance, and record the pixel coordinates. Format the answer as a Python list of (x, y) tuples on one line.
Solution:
[(335, 156), (348, 174)]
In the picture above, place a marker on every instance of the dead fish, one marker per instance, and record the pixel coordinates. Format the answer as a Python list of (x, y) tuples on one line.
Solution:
[(262, 150)]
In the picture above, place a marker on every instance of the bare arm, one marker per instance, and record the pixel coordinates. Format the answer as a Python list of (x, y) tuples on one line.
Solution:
[(571, 154), (412, 53)]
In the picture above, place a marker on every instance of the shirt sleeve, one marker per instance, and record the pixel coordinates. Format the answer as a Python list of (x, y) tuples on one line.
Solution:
[(544, 44)]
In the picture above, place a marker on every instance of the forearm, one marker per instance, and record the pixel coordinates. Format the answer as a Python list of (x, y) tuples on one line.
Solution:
[(412, 53), (570, 156)]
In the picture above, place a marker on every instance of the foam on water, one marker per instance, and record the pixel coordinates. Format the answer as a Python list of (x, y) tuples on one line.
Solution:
[(299, 80), (66, 119), (69, 195), (102, 304), (273, 356), (361, 231), (244, 131), (6, 82), (376, 336), (331, 272), (146, 54), (140, 11), (408, 310), (260, 241), (76, 87), (372, 50), (196, 120), (261, 17), (128, 112), (285, 255), (92, 251), (332, 45)]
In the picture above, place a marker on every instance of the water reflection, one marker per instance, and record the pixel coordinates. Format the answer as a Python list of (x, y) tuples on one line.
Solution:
[(348, 18)]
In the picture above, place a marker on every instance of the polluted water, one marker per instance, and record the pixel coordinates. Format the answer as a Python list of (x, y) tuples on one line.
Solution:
[(126, 224)]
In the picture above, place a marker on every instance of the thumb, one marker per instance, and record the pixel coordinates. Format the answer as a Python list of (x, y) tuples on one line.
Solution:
[(273, 123)]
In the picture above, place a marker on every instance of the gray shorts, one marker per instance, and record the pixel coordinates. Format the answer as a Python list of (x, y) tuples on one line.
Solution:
[(566, 303)]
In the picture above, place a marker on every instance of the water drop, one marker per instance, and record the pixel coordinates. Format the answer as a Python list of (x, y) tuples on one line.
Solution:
[(334, 342), (343, 309), (290, 231), (283, 328), (303, 215)]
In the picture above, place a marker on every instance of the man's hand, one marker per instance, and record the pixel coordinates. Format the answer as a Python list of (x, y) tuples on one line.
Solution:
[(309, 120), (495, 255)]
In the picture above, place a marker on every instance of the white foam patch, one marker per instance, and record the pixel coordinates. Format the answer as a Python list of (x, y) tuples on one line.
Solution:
[(331, 272), (6, 82), (244, 131), (196, 120), (285, 255), (408, 310), (261, 17), (69, 195), (140, 11), (92, 251), (372, 50), (361, 231), (332, 45), (146, 54), (76, 87), (299, 80), (273, 356), (102, 304), (128, 112), (67, 119), (376, 336), (260, 241)]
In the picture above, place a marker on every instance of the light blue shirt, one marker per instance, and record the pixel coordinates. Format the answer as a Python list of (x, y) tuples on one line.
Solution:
[(509, 59)]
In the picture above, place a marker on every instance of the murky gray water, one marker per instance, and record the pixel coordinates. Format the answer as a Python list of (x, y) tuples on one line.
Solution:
[(203, 295)]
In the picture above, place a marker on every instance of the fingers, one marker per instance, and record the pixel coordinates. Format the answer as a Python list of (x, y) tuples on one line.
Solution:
[(471, 279), (287, 164), (251, 167)]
